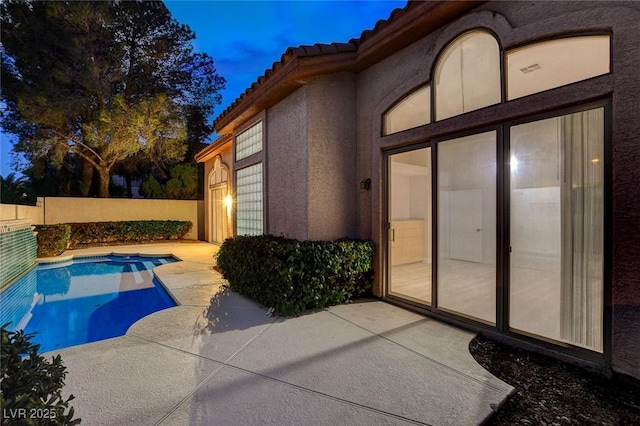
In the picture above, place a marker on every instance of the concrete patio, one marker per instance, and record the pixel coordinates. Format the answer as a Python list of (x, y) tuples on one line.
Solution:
[(219, 359)]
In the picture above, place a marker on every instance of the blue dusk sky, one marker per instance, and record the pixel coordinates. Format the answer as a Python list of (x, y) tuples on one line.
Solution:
[(246, 37)]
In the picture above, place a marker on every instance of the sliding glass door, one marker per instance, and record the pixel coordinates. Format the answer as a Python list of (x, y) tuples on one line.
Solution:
[(553, 229), (556, 245), (409, 213), (467, 226)]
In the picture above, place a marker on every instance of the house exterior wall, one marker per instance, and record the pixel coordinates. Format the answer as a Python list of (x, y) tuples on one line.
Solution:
[(287, 167), (18, 211), (324, 138), (311, 190), (515, 24), (332, 179)]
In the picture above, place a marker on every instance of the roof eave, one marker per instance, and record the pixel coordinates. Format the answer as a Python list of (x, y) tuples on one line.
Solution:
[(286, 80), (416, 21), (211, 150), (404, 27)]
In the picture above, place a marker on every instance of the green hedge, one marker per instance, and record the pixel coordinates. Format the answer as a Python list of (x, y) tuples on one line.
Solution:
[(52, 239), (127, 231), (291, 276)]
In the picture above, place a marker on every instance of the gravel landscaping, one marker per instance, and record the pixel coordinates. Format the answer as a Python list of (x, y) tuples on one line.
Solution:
[(551, 392)]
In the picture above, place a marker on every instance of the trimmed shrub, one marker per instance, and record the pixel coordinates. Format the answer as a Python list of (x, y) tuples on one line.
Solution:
[(52, 239), (291, 276), (31, 385), (127, 231)]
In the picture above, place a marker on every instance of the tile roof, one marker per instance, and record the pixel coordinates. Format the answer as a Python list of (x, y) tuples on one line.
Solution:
[(289, 55), (394, 32), (317, 49)]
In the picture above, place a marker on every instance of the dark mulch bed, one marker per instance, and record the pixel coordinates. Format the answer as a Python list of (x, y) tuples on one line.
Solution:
[(551, 392)]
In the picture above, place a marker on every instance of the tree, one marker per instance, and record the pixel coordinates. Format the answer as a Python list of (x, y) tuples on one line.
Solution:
[(183, 184), (104, 82), (15, 190)]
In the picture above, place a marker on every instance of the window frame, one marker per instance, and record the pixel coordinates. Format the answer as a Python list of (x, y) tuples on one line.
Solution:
[(253, 159), (242, 132), (433, 123), (262, 186), (399, 101), (501, 328)]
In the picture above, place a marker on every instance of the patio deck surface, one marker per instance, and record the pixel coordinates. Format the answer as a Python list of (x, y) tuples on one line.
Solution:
[(218, 359)]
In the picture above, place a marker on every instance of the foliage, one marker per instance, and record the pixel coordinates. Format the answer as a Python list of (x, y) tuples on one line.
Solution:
[(291, 276), (16, 190), (127, 231), (151, 188), (49, 179), (52, 239), (31, 385), (122, 82), (183, 184)]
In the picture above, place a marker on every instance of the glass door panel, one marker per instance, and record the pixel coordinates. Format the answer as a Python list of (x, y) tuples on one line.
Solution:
[(467, 226), (409, 204), (556, 229), (218, 215)]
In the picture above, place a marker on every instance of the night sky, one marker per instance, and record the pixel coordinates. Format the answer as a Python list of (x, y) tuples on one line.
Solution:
[(246, 37)]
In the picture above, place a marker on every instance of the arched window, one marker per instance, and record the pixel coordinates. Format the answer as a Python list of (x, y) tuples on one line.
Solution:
[(550, 64), (412, 111), (467, 75), (219, 173)]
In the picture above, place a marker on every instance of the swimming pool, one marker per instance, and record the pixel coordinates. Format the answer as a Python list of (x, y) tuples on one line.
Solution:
[(84, 300)]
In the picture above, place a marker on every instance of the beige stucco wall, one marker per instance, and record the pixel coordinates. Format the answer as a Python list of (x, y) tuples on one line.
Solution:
[(312, 186), (332, 180), (70, 210), (287, 167), (15, 211)]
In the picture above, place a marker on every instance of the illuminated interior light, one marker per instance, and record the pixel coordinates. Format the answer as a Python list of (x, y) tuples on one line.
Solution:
[(228, 202), (514, 164)]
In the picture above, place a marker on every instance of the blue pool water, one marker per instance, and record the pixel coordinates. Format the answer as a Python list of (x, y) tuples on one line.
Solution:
[(85, 300)]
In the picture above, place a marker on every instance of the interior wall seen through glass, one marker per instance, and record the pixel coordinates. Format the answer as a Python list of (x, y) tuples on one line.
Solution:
[(467, 226), (412, 111), (410, 221), (555, 63), (467, 75)]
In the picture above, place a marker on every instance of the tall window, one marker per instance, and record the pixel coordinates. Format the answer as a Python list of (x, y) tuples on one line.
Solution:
[(467, 75), (249, 200), (556, 259), (249, 142)]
